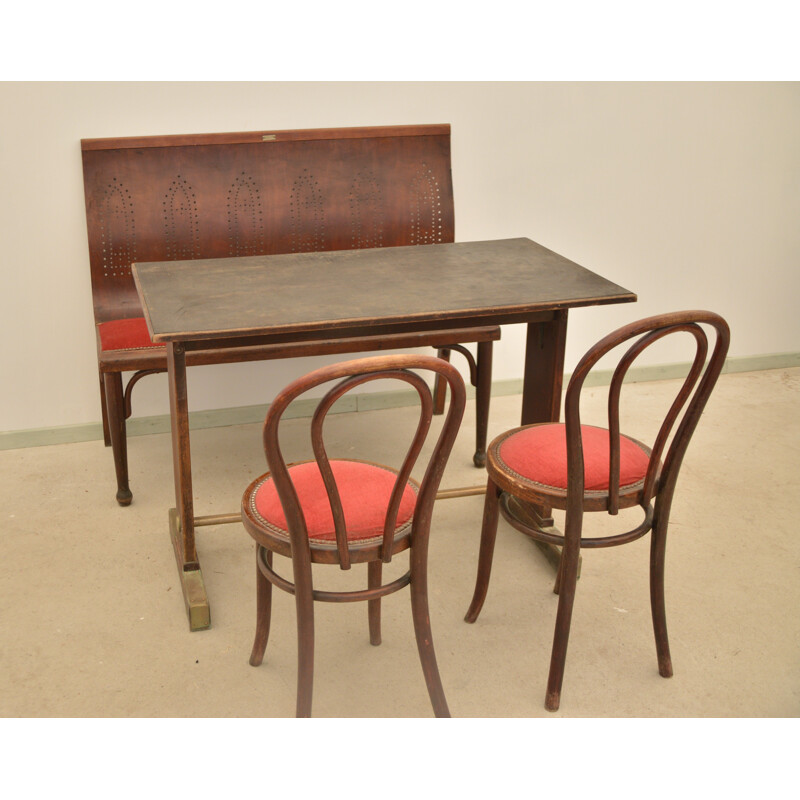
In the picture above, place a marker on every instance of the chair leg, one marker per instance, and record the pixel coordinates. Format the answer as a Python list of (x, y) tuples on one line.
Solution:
[(374, 573), (115, 405), (440, 384), (568, 574), (422, 630), (488, 536), (483, 392), (263, 607), (658, 543), (305, 646), (559, 572)]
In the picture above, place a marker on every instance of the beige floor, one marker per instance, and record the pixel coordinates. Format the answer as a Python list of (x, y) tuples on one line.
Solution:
[(92, 622)]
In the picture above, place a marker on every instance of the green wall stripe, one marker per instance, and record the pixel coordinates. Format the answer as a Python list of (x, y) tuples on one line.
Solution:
[(221, 417)]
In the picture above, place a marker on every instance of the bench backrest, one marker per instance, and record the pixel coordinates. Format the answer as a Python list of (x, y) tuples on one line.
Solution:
[(161, 198)]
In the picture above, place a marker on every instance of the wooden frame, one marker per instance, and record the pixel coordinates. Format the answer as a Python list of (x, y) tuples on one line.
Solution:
[(194, 197), (224, 303), (295, 542), (653, 493)]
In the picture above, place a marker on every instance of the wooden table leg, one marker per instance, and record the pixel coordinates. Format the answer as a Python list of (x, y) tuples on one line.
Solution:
[(541, 402), (544, 369), (544, 377), (181, 518)]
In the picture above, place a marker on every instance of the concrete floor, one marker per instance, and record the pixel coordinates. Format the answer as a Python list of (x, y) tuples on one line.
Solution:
[(92, 620)]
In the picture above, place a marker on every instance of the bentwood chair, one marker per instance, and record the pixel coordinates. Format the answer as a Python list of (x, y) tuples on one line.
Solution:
[(346, 512), (581, 468)]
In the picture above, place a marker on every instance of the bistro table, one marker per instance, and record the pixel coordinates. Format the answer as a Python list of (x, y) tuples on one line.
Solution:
[(255, 300)]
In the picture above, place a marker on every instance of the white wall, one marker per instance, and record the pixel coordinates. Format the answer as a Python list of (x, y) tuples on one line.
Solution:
[(687, 194)]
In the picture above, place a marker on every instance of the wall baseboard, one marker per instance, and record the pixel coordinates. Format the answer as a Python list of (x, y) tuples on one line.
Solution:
[(242, 415)]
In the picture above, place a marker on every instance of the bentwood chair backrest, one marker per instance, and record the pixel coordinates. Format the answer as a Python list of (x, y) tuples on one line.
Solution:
[(403, 368), (684, 413)]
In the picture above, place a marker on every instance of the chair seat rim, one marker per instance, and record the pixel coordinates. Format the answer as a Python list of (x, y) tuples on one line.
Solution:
[(509, 480), (322, 550)]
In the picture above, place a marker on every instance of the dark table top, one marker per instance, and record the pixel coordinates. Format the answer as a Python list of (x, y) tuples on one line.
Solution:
[(440, 285)]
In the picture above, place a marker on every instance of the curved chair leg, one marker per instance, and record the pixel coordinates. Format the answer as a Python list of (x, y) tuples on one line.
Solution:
[(488, 536), (568, 572), (440, 384), (483, 392), (374, 571), (115, 405), (422, 631), (263, 607), (658, 542), (305, 647), (559, 572)]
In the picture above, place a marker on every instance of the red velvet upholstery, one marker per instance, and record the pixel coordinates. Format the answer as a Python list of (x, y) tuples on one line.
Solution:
[(539, 453), (364, 490), (125, 334)]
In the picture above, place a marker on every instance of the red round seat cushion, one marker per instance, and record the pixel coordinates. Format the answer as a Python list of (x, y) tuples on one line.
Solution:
[(539, 453), (125, 334), (364, 489)]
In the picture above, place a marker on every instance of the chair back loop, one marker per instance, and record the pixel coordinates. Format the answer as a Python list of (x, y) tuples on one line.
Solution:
[(318, 445), (352, 374), (687, 405)]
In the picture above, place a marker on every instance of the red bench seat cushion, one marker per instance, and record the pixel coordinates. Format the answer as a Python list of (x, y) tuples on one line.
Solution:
[(539, 454), (364, 490), (125, 334)]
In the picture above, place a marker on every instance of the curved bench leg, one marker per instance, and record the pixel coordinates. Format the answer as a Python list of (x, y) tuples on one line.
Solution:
[(480, 371), (115, 409), (483, 393), (104, 409)]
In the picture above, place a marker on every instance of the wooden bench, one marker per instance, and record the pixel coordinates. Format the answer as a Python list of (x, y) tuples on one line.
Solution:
[(160, 198)]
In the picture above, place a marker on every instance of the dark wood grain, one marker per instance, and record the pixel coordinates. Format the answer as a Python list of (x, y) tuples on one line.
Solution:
[(296, 542), (468, 283), (653, 493), (267, 137), (210, 196), (276, 244)]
